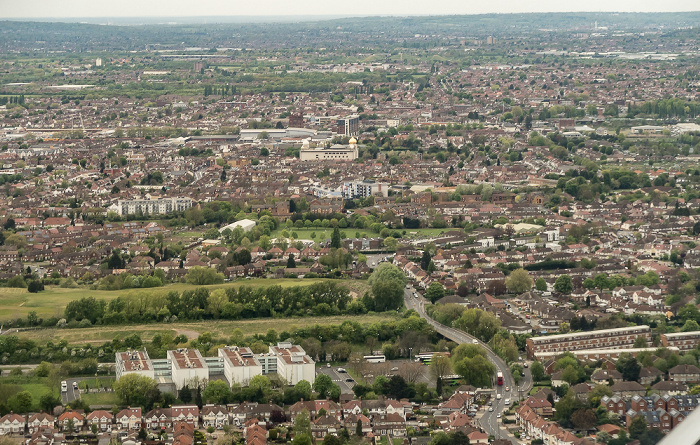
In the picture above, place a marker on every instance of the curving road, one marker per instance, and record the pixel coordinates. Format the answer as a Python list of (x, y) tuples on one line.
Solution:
[(490, 421)]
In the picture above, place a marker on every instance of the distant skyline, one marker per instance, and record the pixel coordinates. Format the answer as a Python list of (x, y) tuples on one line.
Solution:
[(183, 9)]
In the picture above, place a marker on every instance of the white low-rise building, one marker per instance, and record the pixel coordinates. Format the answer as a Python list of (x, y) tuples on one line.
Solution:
[(240, 364)]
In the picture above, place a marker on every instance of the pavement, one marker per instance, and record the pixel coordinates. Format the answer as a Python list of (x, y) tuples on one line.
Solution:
[(72, 393), (489, 421), (343, 379)]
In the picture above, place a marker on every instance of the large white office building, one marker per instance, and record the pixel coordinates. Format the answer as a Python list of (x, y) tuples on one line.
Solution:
[(237, 365)]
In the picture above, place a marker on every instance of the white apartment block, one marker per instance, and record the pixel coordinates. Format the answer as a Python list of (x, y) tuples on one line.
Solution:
[(134, 362), (237, 364), (153, 205), (188, 365), (293, 365), (240, 364)]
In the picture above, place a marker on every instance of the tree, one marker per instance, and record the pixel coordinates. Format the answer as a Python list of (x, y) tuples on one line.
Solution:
[(335, 239), (302, 424), (261, 385), (387, 283), (48, 402), (132, 389), (425, 260), (641, 342), (537, 371), (628, 366), (584, 419), (217, 392), (435, 292), (541, 284), (20, 402), (476, 371), (519, 281), (322, 385), (570, 375), (202, 276), (303, 389), (690, 325), (478, 323), (637, 427), (440, 366), (563, 284), (291, 264)]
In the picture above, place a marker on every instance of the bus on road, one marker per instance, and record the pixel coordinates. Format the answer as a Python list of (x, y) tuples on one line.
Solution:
[(499, 378), (375, 358), (427, 357)]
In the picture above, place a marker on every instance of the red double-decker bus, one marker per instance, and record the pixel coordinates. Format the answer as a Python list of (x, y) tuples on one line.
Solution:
[(499, 378)]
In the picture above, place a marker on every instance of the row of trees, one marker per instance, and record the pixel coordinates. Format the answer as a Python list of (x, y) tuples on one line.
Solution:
[(324, 298)]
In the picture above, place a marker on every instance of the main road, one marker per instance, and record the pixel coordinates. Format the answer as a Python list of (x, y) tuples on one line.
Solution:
[(490, 421)]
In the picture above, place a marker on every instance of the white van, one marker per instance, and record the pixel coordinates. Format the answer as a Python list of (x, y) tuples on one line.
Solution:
[(64, 386), (498, 397)]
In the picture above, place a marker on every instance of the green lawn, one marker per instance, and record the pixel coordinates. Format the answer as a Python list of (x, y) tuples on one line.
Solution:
[(218, 328), (100, 399), (96, 382), (15, 303), (425, 233), (36, 386)]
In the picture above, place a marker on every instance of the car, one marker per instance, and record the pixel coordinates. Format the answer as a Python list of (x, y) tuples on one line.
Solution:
[(471, 414), (507, 388), (498, 396), (498, 415), (64, 386), (490, 403), (328, 365), (475, 341), (525, 365), (342, 370), (507, 401), (349, 380), (395, 368), (490, 409), (75, 385)]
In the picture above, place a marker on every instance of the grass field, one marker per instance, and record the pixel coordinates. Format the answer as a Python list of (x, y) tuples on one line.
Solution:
[(15, 303), (100, 399), (96, 382), (218, 328), (36, 386)]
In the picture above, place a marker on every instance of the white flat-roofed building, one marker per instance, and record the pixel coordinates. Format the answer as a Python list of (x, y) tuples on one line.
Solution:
[(335, 152), (187, 365), (365, 188), (134, 362), (293, 365), (620, 338), (240, 365), (158, 206), (681, 340)]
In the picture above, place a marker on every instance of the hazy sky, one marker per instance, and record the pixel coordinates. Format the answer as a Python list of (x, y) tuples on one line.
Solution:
[(185, 8)]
